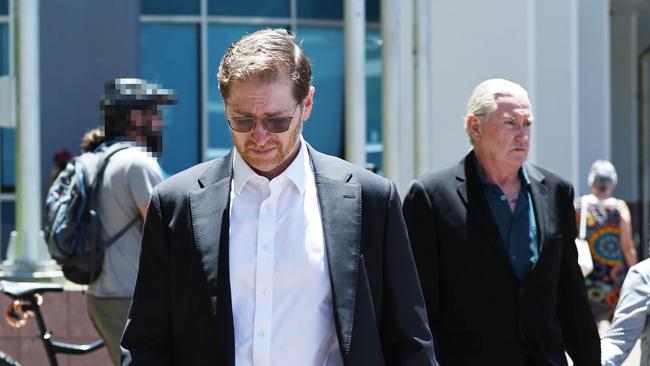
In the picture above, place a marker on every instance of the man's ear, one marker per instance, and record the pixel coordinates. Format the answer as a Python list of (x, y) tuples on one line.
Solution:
[(307, 104), (473, 127)]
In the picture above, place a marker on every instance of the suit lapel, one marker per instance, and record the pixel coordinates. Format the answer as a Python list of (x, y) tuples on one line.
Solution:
[(209, 213), (340, 204), (471, 191), (540, 201)]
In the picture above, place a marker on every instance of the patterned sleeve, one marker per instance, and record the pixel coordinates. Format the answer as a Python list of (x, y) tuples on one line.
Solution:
[(630, 317)]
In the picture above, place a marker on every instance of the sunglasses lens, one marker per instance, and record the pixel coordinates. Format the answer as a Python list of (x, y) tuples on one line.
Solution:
[(241, 124), (276, 124)]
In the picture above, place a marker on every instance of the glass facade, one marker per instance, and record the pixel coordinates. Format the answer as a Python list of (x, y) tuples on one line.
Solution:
[(8, 148), (249, 8), (165, 26), (7, 145), (170, 57), (7, 225), (170, 7), (4, 49), (324, 129)]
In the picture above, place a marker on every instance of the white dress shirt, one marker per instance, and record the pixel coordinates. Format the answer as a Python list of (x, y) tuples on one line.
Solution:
[(280, 284)]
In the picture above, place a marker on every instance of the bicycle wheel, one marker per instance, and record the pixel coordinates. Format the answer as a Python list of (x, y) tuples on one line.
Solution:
[(6, 360)]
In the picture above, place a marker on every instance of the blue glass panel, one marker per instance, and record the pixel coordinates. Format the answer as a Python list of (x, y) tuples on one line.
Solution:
[(7, 225), (169, 7), (324, 47), (4, 49), (219, 38), (374, 147), (372, 10), (170, 57), (261, 8), (332, 10), (8, 165), (4, 7)]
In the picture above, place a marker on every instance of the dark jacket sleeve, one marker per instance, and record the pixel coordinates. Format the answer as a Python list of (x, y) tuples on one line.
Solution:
[(419, 216), (146, 339), (406, 338), (579, 331)]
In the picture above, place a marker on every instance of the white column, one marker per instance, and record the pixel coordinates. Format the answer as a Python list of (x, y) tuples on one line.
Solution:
[(422, 81), (594, 102), (355, 81), (556, 101), (27, 256), (398, 92)]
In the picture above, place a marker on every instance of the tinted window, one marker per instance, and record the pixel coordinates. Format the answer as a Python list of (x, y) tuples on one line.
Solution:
[(332, 10), (8, 148), (374, 147), (372, 10), (4, 7), (324, 46), (4, 49), (170, 57), (167, 7), (7, 225), (260, 8)]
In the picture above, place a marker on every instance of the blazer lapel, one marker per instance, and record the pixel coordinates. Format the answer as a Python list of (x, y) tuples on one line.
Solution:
[(340, 204), (470, 190), (540, 201), (209, 214)]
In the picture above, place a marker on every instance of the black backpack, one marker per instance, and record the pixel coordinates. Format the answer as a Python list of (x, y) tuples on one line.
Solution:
[(72, 226)]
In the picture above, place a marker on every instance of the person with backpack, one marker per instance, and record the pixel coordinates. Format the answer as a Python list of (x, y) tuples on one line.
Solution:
[(133, 133)]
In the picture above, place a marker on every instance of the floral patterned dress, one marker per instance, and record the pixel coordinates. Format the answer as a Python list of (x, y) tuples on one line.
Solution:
[(603, 234)]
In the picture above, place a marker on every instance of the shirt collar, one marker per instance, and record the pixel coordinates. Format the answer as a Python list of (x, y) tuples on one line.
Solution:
[(523, 175), (296, 172)]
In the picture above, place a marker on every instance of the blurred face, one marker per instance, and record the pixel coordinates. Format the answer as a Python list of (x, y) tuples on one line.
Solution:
[(267, 153), (146, 128), (503, 137)]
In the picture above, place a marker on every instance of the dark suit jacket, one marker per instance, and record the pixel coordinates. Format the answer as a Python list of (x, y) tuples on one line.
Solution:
[(478, 313), (181, 311)]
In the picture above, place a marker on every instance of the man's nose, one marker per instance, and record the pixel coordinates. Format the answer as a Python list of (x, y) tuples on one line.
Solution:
[(260, 134)]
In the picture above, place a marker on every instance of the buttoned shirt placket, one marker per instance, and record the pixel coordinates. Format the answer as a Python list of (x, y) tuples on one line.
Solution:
[(264, 274)]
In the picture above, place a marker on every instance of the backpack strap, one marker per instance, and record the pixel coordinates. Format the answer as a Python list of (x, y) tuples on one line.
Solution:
[(108, 152), (122, 231)]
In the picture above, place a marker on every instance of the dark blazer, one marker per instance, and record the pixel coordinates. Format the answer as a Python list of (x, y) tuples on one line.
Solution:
[(181, 312), (478, 312)]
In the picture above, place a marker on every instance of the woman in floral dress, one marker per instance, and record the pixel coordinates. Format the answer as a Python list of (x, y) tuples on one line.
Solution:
[(609, 233)]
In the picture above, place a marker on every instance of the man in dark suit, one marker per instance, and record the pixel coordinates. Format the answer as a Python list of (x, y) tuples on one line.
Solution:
[(493, 240), (275, 254)]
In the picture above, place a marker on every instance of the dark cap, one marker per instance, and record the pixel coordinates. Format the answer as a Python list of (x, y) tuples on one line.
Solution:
[(136, 93)]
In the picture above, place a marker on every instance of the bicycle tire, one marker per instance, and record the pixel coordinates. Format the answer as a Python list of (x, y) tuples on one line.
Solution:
[(6, 360)]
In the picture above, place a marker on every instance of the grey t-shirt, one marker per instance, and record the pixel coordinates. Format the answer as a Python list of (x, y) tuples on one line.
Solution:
[(129, 178)]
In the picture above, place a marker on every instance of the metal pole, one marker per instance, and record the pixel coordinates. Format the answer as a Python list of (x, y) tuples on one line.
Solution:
[(27, 257), (355, 81)]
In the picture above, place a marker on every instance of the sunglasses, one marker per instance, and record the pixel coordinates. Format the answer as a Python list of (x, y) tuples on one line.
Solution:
[(271, 124)]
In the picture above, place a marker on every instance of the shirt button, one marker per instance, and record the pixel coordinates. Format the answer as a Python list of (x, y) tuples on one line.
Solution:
[(265, 247), (514, 257), (503, 197), (261, 334), (265, 291)]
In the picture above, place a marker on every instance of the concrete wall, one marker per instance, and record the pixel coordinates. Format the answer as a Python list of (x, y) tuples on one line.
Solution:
[(83, 44), (624, 113)]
